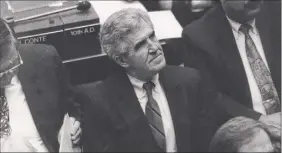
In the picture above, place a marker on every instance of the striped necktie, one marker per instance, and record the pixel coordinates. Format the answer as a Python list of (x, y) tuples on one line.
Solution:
[(261, 73), (154, 116)]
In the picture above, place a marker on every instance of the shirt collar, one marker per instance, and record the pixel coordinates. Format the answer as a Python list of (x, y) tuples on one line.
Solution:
[(138, 85), (236, 26)]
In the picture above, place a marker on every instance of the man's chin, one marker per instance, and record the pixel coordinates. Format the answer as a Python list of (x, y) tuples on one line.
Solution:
[(160, 65)]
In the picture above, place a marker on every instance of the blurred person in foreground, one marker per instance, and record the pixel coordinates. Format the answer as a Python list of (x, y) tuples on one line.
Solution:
[(35, 96), (243, 134), (146, 105), (237, 47)]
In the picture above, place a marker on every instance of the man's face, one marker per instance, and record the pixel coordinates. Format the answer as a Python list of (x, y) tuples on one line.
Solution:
[(9, 66), (241, 10), (147, 57), (259, 143)]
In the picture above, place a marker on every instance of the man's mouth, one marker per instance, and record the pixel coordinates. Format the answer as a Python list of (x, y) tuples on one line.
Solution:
[(157, 56)]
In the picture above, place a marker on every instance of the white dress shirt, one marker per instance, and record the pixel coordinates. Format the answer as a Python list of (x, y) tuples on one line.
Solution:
[(24, 135), (240, 41), (159, 95)]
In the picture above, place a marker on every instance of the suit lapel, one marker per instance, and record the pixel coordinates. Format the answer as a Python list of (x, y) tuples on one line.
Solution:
[(32, 89), (128, 103), (179, 109), (129, 108), (228, 51)]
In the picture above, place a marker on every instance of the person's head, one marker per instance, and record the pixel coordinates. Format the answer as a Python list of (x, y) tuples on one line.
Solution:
[(9, 55), (242, 134), (241, 11), (128, 38)]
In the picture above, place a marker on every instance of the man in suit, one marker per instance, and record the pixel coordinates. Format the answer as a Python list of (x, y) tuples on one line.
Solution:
[(237, 48), (145, 105), (35, 96)]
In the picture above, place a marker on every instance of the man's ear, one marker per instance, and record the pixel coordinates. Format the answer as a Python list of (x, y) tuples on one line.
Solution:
[(120, 60)]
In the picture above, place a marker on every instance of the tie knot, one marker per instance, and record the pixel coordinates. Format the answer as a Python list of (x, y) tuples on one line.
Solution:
[(245, 28), (148, 86)]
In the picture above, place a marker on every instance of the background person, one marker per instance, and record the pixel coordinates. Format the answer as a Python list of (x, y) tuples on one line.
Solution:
[(35, 96)]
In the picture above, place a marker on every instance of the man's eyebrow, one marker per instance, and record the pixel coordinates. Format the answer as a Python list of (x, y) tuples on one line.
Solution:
[(139, 41), (142, 39)]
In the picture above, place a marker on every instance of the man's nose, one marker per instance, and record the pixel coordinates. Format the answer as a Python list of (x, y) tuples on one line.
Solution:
[(153, 46)]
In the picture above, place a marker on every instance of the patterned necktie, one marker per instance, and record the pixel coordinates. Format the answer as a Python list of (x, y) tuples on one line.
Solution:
[(261, 73), (5, 129), (154, 117)]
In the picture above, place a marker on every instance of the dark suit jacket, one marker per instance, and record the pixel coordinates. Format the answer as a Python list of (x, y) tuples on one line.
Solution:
[(212, 49), (114, 120), (47, 92)]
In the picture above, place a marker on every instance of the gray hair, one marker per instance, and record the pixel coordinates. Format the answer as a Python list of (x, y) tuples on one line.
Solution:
[(114, 32), (234, 133)]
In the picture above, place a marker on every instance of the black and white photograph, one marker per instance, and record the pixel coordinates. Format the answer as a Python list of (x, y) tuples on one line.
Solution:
[(140, 76)]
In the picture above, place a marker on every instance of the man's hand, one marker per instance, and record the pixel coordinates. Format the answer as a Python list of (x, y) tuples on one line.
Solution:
[(273, 124), (75, 131)]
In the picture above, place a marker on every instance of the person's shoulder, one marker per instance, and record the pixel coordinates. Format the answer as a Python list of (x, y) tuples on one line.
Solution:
[(94, 96), (93, 90), (181, 70), (38, 49), (195, 25), (198, 24), (205, 24), (36, 46), (182, 74), (39, 54)]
